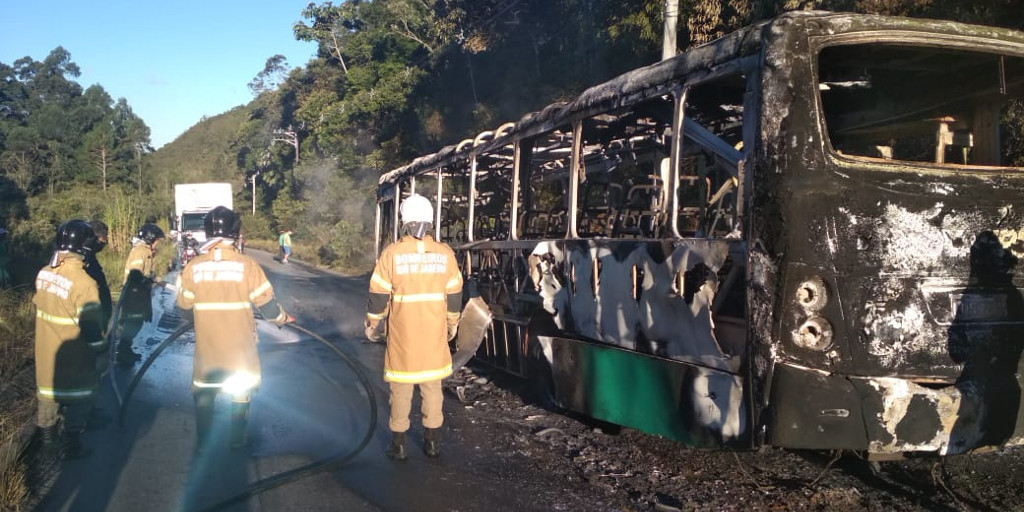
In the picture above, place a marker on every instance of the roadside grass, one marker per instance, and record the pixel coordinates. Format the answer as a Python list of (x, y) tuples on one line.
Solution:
[(304, 252), (14, 487), (16, 330), (309, 253), (16, 405)]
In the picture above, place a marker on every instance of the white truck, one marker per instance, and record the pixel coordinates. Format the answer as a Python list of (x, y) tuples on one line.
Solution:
[(192, 201)]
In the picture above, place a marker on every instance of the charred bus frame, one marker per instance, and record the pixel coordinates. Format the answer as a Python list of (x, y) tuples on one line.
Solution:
[(826, 257)]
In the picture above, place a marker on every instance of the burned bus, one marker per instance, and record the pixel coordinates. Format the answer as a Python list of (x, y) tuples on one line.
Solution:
[(805, 234)]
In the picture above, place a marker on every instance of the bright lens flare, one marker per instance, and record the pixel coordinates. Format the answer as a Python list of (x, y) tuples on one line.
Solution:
[(240, 384)]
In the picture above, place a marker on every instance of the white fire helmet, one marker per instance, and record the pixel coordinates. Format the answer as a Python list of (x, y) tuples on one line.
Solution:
[(417, 208)]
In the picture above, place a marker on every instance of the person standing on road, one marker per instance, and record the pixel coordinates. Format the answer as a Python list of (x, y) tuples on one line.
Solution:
[(136, 292), (219, 288), (285, 241), (416, 289), (69, 338)]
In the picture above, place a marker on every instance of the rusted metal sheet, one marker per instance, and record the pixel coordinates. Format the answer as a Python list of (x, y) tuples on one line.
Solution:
[(473, 325)]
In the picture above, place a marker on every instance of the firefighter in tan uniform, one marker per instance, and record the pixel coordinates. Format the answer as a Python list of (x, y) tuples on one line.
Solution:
[(69, 339), (136, 292), (143, 250), (219, 287), (416, 288)]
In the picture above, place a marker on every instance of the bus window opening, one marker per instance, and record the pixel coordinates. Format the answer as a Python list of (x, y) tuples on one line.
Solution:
[(922, 104)]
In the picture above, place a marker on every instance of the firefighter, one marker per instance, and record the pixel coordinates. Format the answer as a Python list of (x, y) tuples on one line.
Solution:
[(416, 289), (69, 339), (136, 292), (219, 288), (143, 251)]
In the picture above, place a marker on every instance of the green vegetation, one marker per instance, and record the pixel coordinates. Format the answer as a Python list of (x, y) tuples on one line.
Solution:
[(17, 406)]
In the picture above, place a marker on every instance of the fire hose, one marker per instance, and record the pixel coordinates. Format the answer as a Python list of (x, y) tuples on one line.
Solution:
[(476, 319), (286, 477)]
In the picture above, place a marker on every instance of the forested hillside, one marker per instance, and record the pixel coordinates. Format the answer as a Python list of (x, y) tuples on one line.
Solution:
[(203, 153), (392, 79)]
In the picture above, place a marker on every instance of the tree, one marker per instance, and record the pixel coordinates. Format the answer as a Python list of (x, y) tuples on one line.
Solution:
[(99, 144), (330, 26), (94, 115), (131, 136), (22, 157), (274, 73)]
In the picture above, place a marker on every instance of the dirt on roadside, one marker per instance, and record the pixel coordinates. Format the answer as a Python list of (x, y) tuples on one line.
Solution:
[(639, 472)]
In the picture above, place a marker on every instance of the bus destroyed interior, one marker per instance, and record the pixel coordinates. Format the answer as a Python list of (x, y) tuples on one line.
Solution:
[(917, 103), (777, 238)]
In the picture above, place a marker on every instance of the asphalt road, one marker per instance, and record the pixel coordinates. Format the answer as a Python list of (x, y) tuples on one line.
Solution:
[(310, 407)]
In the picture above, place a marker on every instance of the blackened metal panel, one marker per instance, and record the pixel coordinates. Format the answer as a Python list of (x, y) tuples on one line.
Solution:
[(925, 331), (815, 410), (639, 304)]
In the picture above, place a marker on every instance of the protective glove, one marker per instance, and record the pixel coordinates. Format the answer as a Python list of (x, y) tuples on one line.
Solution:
[(453, 330), (373, 332)]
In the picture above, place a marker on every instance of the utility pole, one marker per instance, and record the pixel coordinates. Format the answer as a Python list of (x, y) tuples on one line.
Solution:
[(254, 176), (288, 136), (668, 43)]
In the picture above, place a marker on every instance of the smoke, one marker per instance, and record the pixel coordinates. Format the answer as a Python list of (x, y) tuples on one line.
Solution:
[(336, 214)]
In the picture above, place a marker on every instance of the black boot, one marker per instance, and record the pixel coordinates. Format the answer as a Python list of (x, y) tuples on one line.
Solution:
[(73, 447), (432, 442), (50, 437), (126, 356), (239, 422), (97, 420), (396, 450)]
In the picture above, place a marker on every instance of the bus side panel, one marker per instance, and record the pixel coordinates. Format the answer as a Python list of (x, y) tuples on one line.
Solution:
[(687, 403), (654, 297), (632, 340), (622, 330)]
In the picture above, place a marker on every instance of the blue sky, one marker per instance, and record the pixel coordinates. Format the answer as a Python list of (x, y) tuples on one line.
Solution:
[(174, 61)]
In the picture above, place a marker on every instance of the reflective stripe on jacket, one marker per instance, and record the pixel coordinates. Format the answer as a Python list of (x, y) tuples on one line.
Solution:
[(69, 330), (221, 287), (417, 280)]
